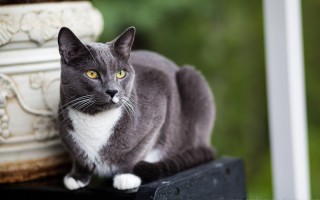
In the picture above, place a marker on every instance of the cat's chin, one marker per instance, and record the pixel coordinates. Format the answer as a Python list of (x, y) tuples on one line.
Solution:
[(106, 106), (98, 108)]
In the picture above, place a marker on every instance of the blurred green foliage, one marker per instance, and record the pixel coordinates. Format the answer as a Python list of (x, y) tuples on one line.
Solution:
[(311, 31), (225, 41)]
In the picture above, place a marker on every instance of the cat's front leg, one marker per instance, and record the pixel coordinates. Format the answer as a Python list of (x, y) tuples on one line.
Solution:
[(79, 177), (126, 181)]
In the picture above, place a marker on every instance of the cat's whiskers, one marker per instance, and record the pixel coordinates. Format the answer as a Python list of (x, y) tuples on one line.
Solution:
[(77, 104), (89, 105), (84, 105), (131, 104), (126, 109), (77, 99), (74, 103), (133, 101), (126, 106), (131, 97), (130, 107)]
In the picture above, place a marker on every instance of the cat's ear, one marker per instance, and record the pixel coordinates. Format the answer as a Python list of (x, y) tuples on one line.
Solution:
[(70, 47), (123, 43)]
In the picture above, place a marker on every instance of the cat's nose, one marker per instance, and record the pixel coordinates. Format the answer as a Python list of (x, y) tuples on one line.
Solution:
[(112, 92)]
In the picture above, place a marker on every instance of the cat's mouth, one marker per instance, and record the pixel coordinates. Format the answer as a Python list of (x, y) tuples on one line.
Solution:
[(109, 103), (115, 99)]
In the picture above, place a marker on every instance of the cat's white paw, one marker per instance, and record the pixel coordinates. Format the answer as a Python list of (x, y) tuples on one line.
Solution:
[(72, 184), (126, 181)]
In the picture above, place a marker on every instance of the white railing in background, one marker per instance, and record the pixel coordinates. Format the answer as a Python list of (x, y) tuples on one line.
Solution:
[(286, 99)]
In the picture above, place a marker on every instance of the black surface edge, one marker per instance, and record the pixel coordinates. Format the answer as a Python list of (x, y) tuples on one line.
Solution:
[(229, 171), (197, 179)]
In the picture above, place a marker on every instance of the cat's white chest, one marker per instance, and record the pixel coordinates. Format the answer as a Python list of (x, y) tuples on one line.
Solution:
[(92, 132)]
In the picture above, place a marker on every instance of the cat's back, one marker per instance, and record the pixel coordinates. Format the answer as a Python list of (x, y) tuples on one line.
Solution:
[(155, 74), (152, 60)]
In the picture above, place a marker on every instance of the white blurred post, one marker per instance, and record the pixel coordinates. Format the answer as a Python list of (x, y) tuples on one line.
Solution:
[(286, 99)]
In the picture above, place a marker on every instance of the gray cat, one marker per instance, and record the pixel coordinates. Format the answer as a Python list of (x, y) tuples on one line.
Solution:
[(134, 116)]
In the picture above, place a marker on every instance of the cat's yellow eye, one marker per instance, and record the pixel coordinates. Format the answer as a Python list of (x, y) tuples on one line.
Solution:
[(92, 74), (121, 74)]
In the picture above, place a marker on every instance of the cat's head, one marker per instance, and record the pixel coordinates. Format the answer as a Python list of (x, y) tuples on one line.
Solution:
[(94, 76)]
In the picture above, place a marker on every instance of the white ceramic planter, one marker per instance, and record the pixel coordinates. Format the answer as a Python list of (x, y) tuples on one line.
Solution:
[(29, 84)]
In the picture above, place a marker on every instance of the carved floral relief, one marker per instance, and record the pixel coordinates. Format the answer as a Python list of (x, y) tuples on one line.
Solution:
[(44, 125), (41, 26), (9, 25)]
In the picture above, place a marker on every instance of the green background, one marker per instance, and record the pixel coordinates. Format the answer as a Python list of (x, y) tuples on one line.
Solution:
[(225, 41)]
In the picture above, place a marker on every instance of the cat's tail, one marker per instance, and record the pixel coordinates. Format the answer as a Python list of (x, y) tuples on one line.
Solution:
[(149, 172)]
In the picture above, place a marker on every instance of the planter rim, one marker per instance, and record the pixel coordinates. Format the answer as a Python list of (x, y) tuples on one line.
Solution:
[(48, 6), (37, 25)]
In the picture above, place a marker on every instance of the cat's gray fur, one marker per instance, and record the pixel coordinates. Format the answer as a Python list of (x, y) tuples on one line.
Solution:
[(173, 107)]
